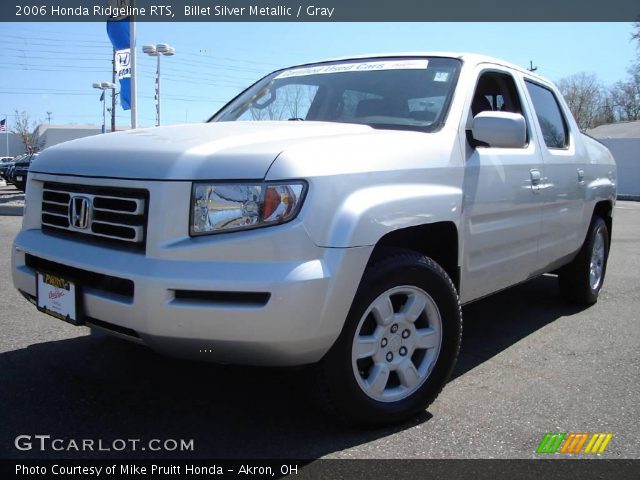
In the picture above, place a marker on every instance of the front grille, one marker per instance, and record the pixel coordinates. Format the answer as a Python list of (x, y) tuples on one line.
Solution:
[(115, 215)]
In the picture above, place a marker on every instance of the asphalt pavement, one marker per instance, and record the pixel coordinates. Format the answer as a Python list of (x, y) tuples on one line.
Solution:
[(11, 199), (530, 364)]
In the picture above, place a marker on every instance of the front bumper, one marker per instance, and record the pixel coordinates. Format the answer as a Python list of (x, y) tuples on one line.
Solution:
[(307, 300), (308, 289)]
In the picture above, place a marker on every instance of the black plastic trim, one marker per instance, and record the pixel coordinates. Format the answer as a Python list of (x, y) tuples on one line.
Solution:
[(256, 299), (96, 281)]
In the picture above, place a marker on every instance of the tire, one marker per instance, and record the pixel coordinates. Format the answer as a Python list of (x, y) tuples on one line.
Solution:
[(582, 279), (406, 324)]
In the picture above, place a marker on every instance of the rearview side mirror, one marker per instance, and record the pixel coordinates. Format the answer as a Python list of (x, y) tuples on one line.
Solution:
[(500, 129)]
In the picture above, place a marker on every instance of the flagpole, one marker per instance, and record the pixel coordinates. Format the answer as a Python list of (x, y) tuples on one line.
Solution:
[(113, 91), (134, 90), (104, 111), (6, 131)]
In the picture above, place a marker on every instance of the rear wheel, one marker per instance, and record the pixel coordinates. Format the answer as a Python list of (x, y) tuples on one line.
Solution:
[(399, 343), (581, 280)]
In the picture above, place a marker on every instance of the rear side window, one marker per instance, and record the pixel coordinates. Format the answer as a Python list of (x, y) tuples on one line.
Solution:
[(550, 117)]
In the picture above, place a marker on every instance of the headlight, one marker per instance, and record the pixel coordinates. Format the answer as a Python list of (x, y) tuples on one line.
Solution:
[(226, 207)]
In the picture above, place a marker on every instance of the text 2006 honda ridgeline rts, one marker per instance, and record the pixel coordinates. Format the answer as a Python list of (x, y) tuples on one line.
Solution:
[(334, 214)]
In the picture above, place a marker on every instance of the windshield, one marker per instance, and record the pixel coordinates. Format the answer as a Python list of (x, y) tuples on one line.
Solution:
[(393, 93)]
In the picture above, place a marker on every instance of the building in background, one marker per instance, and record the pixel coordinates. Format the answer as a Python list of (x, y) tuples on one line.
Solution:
[(623, 139), (11, 147), (47, 135)]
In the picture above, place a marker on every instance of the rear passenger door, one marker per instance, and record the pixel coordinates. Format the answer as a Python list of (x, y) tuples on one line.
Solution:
[(563, 185), (502, 205)]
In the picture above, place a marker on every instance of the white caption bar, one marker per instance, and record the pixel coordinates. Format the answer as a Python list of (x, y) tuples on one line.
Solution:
[(356, 67)]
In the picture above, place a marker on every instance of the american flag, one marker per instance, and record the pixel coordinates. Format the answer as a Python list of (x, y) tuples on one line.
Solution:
[(3, 125)]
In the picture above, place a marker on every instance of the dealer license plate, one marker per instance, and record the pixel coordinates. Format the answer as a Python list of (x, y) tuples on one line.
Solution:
[(58, 297)]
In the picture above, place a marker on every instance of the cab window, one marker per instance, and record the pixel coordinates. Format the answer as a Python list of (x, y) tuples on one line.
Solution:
[(550, 117), (495, 92)]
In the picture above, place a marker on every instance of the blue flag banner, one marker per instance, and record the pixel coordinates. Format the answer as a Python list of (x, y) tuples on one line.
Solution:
[(118, 31)]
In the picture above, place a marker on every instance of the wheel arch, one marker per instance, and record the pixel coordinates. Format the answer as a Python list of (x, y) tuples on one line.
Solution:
[(604, 210), (438, 241)]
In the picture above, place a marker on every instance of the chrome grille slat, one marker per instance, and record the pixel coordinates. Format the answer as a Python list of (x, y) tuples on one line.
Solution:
[(137, 230), (123, 225), (114, 211), (139, 205), (116, 214), (102, 235), (56, 214)]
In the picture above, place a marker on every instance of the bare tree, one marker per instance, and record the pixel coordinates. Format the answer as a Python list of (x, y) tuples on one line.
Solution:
[(299, 100), (628, 92), (593, 105), (26, 130), (291, 101), (608, 108), (636, 33), (626, 98), (585, 96)]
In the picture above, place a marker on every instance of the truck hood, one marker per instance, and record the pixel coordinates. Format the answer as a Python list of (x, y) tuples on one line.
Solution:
[(225, 150)]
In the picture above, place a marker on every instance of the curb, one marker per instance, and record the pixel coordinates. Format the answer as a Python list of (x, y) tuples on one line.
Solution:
[(632, 198), (11, 211)]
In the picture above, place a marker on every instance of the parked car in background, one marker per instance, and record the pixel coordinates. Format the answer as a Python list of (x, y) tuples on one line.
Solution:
[(5, 163), (21, 170), (10, 167), (335, 215)]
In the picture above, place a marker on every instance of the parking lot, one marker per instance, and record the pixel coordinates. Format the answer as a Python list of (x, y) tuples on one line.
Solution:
[(530, 364)]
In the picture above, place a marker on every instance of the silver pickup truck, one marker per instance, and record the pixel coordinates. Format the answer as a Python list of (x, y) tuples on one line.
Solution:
[(335, 214)]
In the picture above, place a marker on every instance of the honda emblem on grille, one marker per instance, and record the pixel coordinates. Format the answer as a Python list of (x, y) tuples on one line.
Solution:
[(80, 212)]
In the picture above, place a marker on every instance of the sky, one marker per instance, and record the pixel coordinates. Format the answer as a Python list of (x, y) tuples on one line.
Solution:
[(50, 67)]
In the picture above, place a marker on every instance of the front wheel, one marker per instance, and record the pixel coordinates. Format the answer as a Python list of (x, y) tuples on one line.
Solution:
[(399, 343)]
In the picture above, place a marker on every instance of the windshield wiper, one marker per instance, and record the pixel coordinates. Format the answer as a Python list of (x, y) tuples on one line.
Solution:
[(296, 119)]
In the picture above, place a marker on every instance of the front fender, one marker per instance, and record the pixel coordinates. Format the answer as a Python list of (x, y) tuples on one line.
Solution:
[(362, 187), (368, 214)]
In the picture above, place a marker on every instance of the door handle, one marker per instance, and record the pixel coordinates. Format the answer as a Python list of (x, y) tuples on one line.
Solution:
[(535, 180), (580, 175)]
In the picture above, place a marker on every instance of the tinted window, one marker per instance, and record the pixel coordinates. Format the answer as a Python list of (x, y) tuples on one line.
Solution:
[(292, 101), (496, 92), (552, 123), (395, 93), (351, 99)]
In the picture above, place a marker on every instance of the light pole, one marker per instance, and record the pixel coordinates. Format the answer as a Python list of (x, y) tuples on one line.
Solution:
[(157, 51), (104, 86)]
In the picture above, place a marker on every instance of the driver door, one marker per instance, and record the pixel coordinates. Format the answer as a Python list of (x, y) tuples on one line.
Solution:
[(502, 206)]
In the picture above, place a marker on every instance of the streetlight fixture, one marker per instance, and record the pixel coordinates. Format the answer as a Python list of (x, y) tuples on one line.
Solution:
[(158, 51), (105, 86)]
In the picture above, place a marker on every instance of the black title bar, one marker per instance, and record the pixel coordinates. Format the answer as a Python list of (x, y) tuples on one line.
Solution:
[(476, 469), (321, 10)]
